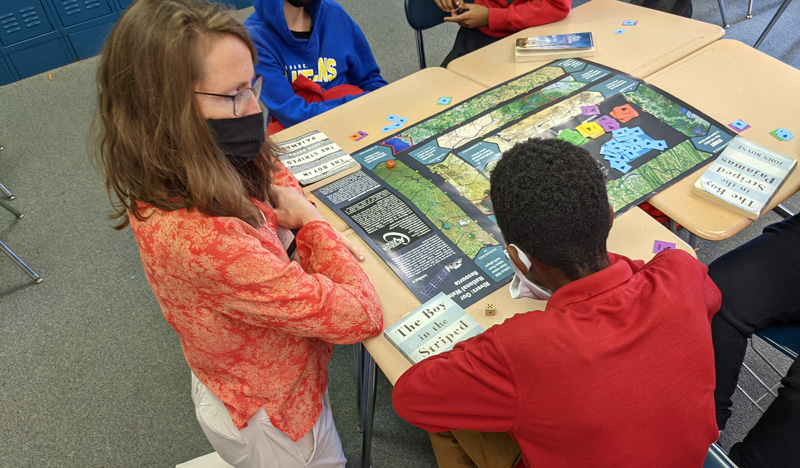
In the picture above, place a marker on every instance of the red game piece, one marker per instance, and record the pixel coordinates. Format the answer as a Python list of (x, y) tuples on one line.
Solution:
[(390, 163)]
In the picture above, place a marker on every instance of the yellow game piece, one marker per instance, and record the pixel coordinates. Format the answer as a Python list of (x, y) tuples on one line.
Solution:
[(590, 130)]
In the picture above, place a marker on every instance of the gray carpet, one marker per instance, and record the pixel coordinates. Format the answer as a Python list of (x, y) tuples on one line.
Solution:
[(90, 373)]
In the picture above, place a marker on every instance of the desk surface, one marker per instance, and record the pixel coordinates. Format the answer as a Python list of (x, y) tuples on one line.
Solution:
[(413, 97), (729, 80), (658, 40), (632, 235)]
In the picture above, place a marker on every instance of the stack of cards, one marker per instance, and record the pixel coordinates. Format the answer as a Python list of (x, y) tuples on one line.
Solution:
[(782, 134), (624, 113), (358, 135), (739, 125), (608, 123), (627, 145), (590, 130), (590, 110), (571, 136)]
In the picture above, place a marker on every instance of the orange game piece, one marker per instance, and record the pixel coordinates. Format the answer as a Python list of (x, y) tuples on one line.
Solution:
[(390, 163)]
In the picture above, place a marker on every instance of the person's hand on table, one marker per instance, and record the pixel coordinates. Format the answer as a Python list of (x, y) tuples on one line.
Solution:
[(352, 247), (472, 16), (294, 211)]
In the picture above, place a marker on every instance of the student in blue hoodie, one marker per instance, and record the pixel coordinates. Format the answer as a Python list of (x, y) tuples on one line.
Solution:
[(313, 39)]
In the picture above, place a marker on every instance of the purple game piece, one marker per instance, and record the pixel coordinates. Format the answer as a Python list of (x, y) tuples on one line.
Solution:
[(608, 123), (658, 246), (590, 110)]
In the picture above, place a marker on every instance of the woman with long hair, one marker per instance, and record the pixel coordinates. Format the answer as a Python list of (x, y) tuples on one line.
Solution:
[(182, 147)]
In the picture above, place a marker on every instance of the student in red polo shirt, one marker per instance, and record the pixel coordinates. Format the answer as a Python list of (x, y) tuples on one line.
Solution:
[(486, 21), (616, 371)]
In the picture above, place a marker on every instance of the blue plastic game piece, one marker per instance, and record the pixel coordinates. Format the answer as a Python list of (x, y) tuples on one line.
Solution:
[(619, 31), (443, 101), (392, 118), (629, 23), (786, 135)]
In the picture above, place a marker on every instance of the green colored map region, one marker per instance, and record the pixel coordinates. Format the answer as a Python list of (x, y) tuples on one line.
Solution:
[(668, 111), (436, 206), (562, 88), (508, 113), (466, 179), (490, 168), (653, 174), (474, 106)]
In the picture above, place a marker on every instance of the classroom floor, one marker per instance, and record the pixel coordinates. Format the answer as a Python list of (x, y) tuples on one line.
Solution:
[(90, 373)]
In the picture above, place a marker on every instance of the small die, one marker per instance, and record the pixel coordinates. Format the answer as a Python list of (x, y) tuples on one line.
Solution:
[(490, 310)]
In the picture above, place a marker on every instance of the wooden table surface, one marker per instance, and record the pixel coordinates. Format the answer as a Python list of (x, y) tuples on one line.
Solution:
[(729, 80), (658, 40)]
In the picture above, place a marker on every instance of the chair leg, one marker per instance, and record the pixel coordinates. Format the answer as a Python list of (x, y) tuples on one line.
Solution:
[(421, 49), (782, 211), (370, 389), (9, 195), (749, 9), (36, 278), (772, 22), (13, 211), (359, 355), (722, 13)]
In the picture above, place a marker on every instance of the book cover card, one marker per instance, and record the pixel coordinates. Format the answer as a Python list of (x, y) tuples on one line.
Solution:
[(436, 326)]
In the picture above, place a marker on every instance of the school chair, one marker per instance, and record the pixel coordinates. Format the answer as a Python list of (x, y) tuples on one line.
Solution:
[(10, 253), (717, 458), (422, 15), (784, 338), (3, 188)]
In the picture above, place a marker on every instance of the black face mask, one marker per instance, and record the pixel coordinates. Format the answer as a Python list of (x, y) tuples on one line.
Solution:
[(240, 138), (300, 3)]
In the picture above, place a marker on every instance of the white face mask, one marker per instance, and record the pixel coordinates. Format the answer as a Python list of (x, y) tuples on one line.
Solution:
[(523, 287)]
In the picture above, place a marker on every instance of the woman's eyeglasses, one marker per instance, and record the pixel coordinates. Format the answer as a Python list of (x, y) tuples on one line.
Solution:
[(241, 98)]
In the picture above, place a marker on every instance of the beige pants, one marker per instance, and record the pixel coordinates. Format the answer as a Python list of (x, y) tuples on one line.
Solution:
[(470, 449), (260, 444)]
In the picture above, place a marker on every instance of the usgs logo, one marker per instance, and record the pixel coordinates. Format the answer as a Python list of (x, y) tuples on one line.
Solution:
[(393, 240)]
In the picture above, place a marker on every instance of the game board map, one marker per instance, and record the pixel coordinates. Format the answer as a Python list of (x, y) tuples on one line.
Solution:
[(421, 199)]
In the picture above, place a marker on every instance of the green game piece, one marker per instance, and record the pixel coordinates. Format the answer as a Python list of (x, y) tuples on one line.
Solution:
[(775, 134), (572, 136), (471, 236)]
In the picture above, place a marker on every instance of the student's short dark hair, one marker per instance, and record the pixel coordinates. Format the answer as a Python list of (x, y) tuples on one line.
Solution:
[(549, 198)]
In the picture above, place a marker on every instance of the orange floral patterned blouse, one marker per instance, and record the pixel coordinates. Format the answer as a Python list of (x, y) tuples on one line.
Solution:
[(256, 328)]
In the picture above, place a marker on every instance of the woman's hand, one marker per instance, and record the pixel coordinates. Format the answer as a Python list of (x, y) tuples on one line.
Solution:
[(352, 247), (292, 209)]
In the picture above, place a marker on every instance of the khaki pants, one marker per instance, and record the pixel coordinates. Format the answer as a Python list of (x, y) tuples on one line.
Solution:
[(260, 444), (462, 449)]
